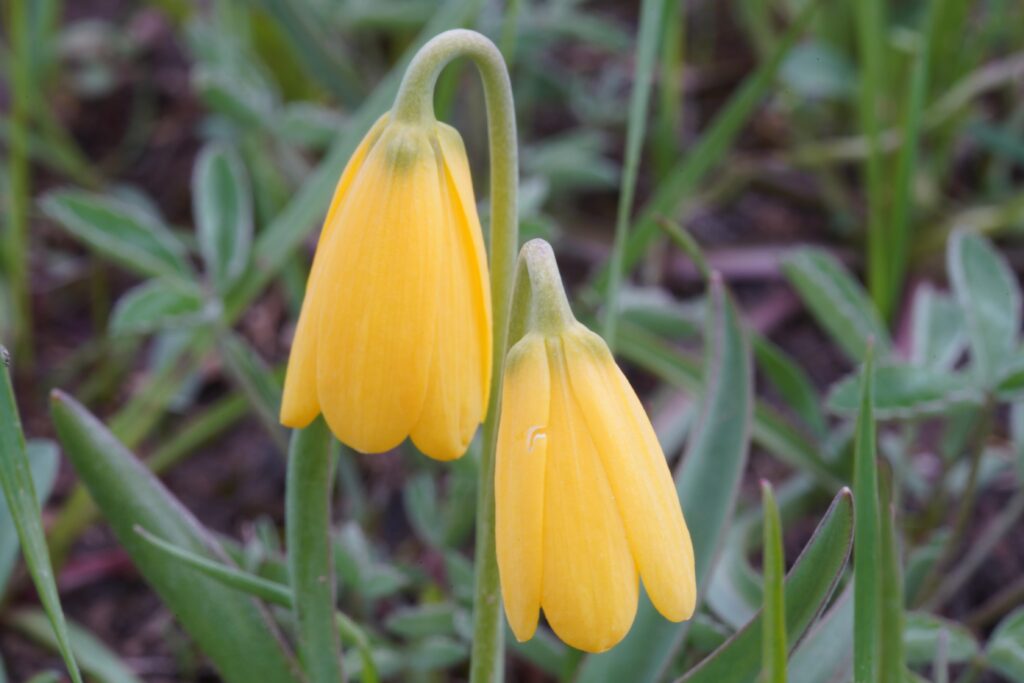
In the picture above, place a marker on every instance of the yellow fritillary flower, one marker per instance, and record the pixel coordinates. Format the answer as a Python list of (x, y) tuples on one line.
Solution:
[(585, 502), (394, 337)]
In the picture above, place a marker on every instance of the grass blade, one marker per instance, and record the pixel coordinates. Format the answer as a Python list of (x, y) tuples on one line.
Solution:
[(871, 44), (890, 654), (707, 481), (647, 40), (866, 561), (773, 635), (97, 660), (43, 460), (234, 630), (308, 516), (23, 505), (709, 149), (809, 586)]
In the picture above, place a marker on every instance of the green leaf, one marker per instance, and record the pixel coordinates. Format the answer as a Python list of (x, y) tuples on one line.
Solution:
[(1005, 651), (905, 392), (792, 383), (222, 206), (24, 508), (826, 653), (422, 621), (123, 232), (435, 653), (837, 301), (234, 630), (921, 635), (937, 329), (308, 517), (773, 617), (711, 147), (97, 661), (816, 70), (43, 460), (808, 587), (990, 299), (259, 384), (155, 305), (867, 565), (707, 481), (891, 658)]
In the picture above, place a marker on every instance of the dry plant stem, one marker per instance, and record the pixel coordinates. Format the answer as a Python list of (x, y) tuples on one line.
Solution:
[(979, 438), (415, 104)]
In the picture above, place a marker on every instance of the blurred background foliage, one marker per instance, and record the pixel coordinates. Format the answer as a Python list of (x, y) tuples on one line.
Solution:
[(166, 166)]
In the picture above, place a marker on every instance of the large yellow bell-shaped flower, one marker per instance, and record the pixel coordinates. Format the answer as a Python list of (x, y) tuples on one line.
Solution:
[(585, 502), (394, 337)]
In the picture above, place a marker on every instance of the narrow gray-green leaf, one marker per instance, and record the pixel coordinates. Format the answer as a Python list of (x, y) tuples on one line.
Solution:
[(234, 630), (904, 392), (792, 383), (773, 616), (921, 636), (990, 299), (826, 653), (423, 620), (809, 586), (1005, 651), (43, 460), (157, 304), (308, 517), (837, 301), (23, 505), (98, 662), (222, 208), (259, 384), (891, 659), (707, 481), (866, 562), (121, 231)]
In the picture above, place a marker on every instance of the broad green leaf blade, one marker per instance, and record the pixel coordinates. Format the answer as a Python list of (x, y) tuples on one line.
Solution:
[(1005, 649), (990, 299), (826, 654), (222, 208), (837, 301), (23, 506), (808, 587), (773, 616), (905, 392), (98, 662), (234, 630), (921, 636), (43, 460), (308, 516), (712, 146), (707, 481), (866, 560), (121, 231), (157, 304)]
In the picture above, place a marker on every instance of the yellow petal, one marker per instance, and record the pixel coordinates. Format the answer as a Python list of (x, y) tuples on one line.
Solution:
[(639, 476), (460, 374), (519, 482), (590, 582), (380, 287), (454, 153), (299, 404)]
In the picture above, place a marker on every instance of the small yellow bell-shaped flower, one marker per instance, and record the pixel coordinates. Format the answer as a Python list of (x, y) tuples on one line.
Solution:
[(585, 502), (394, 337)]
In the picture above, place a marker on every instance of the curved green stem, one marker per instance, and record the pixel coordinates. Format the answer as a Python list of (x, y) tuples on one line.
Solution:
[(415, 104), (538, 300)]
